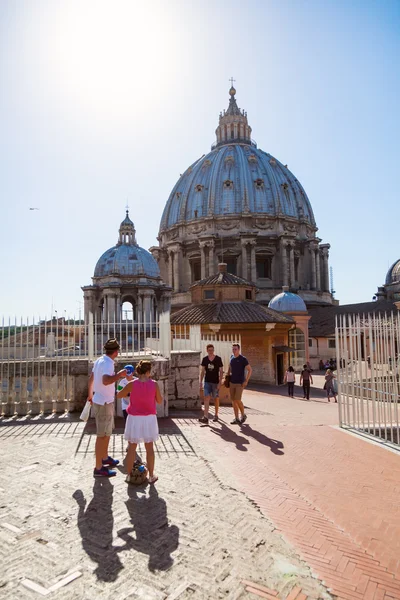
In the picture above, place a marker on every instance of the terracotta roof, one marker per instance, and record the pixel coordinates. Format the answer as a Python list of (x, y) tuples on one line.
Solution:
[(227, 312), (223, 279), (322, 322)]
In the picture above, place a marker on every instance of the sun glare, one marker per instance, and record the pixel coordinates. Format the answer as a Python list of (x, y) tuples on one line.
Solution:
[(113, 59)]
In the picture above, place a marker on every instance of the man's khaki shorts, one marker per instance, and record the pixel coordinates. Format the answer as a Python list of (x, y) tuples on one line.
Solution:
[(236, 391), (104, 415)]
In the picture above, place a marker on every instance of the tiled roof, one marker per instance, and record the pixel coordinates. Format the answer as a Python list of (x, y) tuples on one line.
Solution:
[(223, 278), (322, 322), (227, 312)]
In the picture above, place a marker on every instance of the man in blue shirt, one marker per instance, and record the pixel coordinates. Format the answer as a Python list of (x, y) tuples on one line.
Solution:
[(240, 373)]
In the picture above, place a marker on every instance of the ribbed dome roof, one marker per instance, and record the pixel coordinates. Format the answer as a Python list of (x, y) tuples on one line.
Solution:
[(126, 257), (236, 178), (127, 260), (288, 303), (393, 275)]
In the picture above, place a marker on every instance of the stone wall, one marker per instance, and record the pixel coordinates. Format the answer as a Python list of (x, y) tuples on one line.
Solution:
[(183, 389)]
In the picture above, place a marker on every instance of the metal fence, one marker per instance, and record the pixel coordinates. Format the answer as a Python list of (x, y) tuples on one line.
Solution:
[(41, 359), (368, 368), (190, 337)]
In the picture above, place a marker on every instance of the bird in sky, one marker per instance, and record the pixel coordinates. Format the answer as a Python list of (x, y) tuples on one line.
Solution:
[(34, 209)]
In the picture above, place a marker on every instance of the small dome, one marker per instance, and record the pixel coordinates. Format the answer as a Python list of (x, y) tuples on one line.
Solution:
[(125, 259), (288, 303), (393, 275)]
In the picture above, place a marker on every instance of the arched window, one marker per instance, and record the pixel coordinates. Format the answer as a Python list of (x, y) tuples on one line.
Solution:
[(298, 356)]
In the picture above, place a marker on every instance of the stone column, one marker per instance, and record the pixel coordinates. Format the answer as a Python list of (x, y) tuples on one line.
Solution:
[(318, 270), (285, 279), (203, 260), (245, 273), (313, 268), (118, 309), (170, 271), (253, 261), (325, 255), (176, 270), (105, 309), (291, 265), (211, 269)]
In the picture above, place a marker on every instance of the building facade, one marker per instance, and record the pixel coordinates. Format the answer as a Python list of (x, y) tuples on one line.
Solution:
[(241, 206)]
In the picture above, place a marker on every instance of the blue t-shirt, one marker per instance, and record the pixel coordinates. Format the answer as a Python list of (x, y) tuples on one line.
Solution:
[(238, 366)]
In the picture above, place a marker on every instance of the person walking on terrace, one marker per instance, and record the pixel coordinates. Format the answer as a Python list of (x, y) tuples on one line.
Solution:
[(211, 372), (330, 385), (102, 384), (306, 379), (141, 424), (290, 379), (240, 373)]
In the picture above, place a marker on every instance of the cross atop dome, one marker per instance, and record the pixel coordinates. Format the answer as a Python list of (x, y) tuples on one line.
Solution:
[(233, 126)]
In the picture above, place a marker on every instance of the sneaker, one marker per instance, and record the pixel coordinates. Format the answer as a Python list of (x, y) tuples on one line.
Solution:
[(103, 472), (110, 462), (203, 420), (215, 419), (235, 422), (243, 419)]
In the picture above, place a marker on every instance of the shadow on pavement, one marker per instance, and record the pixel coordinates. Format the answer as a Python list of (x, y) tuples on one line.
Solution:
[(240, 441), (276, 446), (95, 525), (229, 435), (153, 534)]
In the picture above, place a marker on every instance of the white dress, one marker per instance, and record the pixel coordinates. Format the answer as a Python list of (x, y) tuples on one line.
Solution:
[(143, 425)]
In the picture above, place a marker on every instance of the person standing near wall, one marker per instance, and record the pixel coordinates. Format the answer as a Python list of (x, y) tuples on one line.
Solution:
[(240, 373), (211, 372), (102, 384)]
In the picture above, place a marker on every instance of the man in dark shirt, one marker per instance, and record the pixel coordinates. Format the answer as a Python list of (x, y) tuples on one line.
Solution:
[(211, 372), (306, 379), (238, 367)]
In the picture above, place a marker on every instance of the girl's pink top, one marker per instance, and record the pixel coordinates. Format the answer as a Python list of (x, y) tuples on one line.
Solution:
[(142, 401)]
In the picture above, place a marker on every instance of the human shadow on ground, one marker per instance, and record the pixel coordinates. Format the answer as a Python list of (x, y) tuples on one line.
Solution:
[(240, 441), (154, 536), (95, 524), (276, 446), (230, 436)]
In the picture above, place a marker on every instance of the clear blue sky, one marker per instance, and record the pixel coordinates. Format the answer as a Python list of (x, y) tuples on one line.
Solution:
[(100, 101)]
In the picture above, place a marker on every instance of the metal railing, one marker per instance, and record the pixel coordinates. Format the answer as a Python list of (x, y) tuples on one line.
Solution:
[(368, 369), (41, 360)]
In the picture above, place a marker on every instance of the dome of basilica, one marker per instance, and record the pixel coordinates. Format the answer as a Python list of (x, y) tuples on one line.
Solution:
[(126, 258), (393, 275), (241, 206), (287, 302), (235, 179)]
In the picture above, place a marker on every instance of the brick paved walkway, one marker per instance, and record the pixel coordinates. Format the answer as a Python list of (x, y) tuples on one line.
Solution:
[(65, 535), (333, 495), (281, 507)]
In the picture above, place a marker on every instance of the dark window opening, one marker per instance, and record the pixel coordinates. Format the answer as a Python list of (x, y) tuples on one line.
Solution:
[(264, 268), (209, 294), (196, 271), (248, 295), (231, 266)]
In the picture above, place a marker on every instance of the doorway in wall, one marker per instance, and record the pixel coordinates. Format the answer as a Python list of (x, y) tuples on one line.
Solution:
[(280, 375)]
